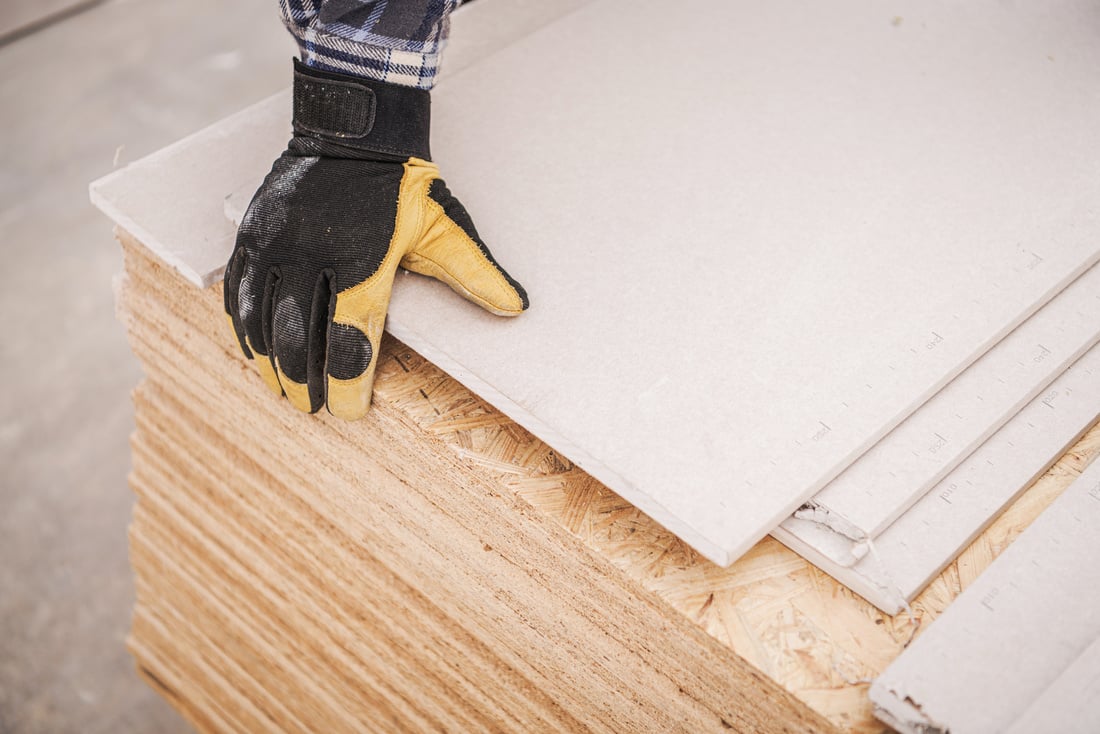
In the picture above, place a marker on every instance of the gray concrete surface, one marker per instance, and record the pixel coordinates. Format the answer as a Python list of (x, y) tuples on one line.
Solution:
[(107, 85)]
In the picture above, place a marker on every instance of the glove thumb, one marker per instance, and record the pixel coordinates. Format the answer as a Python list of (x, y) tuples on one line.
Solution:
[(451, 251)]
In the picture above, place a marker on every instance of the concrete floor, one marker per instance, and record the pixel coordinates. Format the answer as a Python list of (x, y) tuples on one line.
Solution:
[(93, 90)]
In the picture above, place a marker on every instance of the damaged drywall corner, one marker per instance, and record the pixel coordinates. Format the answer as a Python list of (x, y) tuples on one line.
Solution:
[(822, 515), (902, 712), (885, 582), (822, 546)]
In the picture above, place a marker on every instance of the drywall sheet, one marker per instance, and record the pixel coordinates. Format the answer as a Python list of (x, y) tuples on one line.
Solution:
[(757, 237), (173, 200), (893, 568), (748, 264), (883, 483), (1009, 638)]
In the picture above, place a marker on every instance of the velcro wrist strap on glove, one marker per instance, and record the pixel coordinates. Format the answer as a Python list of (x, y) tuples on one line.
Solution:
[(361, 113)]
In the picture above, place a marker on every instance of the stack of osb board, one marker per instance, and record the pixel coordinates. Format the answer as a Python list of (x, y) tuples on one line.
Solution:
[(436, 567)]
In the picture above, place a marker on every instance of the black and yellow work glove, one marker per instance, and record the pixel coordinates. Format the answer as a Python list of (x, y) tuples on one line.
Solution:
[(353, 196)]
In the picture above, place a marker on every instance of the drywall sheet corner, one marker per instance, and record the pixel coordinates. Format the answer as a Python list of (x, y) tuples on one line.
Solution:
[(990, 660), (878, 488), (894, 567), (883, 483), (173, 200)]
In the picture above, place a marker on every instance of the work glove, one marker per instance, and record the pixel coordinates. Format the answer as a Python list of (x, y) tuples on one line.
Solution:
[(354, 196)]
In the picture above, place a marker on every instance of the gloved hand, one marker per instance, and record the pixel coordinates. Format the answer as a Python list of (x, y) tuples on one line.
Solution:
[(353, 196)]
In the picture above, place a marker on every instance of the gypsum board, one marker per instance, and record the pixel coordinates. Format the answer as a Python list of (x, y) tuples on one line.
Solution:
[(901, 468), (717, 328), (1006, 640), (893, 568), (799, 340)]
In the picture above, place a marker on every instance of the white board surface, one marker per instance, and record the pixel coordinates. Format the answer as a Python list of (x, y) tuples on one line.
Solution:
[(749, 265), (1030, 618), (757, 237), (1069, 704), (892, 569)]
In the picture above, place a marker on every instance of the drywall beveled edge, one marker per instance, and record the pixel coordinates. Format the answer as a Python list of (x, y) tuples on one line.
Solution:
[(834, 540), (871, 579), (931, 573), (882, 592), (836, 521), (840, 540), (736, 550)]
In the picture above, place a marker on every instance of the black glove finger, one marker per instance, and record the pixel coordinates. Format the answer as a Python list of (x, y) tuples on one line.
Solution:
[(321, 312), (254, 307), (298, 325), (231, 296)]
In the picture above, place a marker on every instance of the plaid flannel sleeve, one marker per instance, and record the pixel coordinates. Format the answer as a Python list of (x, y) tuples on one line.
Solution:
[(395, 41)]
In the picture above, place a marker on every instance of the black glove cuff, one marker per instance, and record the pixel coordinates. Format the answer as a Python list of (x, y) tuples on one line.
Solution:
[(361, 113)]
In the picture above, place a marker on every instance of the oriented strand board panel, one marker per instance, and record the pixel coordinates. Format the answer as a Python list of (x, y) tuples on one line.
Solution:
[(883, 483), (893, 568), (824, 213), (1034, 613)]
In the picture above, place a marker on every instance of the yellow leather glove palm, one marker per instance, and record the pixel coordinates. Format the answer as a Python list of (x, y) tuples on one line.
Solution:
[(353, 197)]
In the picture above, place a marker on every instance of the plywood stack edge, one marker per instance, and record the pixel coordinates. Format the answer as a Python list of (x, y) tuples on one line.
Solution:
[(436, 567)]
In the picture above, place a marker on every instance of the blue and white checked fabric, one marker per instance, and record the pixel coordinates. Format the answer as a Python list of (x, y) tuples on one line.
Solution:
[(396, 41)]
